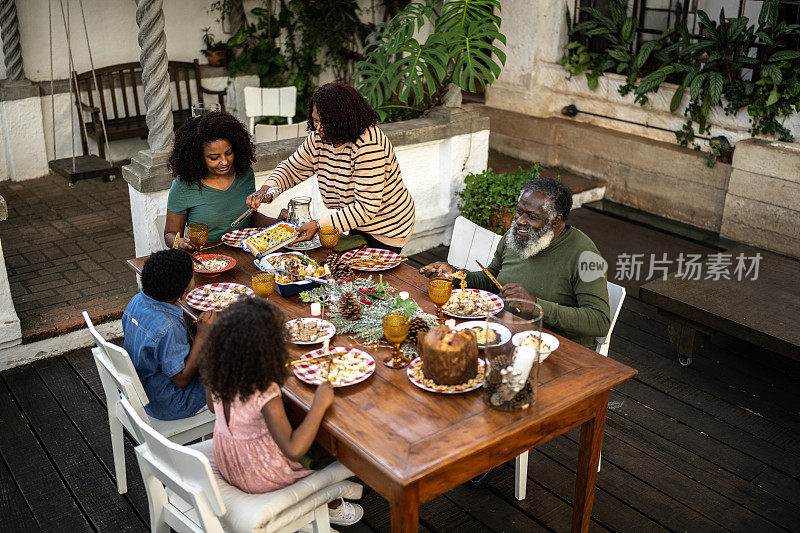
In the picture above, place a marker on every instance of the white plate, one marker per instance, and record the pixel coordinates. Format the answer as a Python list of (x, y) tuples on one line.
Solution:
[(550, 341), (312, 373), (321, 322), (415, 376), (503, 333), (493, 299)]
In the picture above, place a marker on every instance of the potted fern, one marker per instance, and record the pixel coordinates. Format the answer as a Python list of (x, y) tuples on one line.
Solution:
[(402, 78)]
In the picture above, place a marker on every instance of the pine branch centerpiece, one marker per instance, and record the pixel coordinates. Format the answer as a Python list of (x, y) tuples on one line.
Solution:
[(376, 299)]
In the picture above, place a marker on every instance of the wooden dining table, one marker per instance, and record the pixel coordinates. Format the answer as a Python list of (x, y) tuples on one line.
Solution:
[(410, 445)]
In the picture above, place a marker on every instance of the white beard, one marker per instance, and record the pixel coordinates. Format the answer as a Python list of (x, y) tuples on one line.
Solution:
[(536, 242)]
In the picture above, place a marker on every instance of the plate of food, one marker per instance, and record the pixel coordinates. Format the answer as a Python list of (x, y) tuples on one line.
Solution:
[(473, 303), (216, 296), (494, 335), (309, 330), (295, 262), (416, 377), (235, 238), (531, 338), (213, 264), (349, 366), (304, 246), (270, 239), (371, 259)]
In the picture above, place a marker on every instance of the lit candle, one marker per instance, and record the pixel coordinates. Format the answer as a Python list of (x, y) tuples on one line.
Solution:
[(523, 361), (403, 295), (316, 309)]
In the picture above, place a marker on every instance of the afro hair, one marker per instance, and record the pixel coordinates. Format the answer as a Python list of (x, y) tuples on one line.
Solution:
[(166, 274)]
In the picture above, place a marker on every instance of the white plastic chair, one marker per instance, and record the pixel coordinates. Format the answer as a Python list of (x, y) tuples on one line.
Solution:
[(267, 133), (119, 376), (269, 102), (471, 243), (186, 492), (616, 295), (160, 222)]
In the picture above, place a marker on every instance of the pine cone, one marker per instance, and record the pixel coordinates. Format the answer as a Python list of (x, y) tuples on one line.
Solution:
[(415, 327), (339, 268), (349, 306)]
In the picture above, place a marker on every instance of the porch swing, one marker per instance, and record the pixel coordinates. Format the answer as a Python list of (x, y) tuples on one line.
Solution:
[(88, 165)]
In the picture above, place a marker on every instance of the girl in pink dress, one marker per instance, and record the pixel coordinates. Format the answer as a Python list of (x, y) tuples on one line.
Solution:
[(243, 364)]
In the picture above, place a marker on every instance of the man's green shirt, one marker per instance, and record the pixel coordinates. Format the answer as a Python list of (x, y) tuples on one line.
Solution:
[(573, 308)]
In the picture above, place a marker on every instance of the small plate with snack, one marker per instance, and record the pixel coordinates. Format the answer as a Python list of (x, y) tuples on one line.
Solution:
[(547, 343), (270, 239), (234, 238), (473, 303), (348, 367), (217, 296), (372, 259), (213, 264), (494, 335), (309, 330)]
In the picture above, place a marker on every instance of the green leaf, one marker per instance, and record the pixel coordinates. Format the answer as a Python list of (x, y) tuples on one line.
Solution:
[(677, 98), (644, 53), (709, 26), (619, 55), (592, 82), (716, 82), (627, 29), (773, 97), (784, 55), (737, 27), (598, 31), (697, 84), (772, 72)]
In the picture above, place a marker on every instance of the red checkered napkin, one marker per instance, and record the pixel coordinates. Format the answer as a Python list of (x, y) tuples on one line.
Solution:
[(202, 298), (385, 255), (314, 373), (494, 299), (235, 238)]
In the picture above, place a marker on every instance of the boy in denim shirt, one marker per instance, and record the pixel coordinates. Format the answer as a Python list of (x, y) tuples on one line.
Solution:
[(157, 339)]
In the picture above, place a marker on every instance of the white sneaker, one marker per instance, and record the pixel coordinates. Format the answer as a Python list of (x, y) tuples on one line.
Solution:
[(346, 514)]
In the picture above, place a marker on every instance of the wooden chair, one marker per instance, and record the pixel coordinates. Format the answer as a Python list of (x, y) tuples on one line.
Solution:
[(186, 492), (269, 102), (471, 242), (121, 103), (118, 376), (616, 295)]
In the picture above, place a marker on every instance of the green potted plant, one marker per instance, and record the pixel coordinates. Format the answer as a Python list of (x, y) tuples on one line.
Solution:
[(489, 199), (216, 52)]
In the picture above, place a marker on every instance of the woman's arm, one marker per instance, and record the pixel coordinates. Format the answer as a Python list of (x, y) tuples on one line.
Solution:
[(175, 224), (294, 443)]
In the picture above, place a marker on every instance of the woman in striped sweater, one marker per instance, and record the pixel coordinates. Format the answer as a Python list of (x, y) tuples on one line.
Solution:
[(356, 168)]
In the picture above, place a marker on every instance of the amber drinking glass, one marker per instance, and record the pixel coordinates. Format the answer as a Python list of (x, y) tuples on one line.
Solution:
[(328, 238), (197, 234), (264, 283), (439, 291), (395, 329)]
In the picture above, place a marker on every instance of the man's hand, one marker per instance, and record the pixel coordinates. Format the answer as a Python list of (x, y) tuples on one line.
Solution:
[(204, 322), (524, 301), (438, 269), (307, 231)]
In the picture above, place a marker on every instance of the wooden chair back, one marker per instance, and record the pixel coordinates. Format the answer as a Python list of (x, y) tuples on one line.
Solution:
[(185, 472), (269, 102)]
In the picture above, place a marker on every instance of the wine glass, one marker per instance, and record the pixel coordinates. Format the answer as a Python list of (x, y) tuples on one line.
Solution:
[(439, 291), (395, 329), (197, 234), (264, 283), (328, 238), (198, 110)]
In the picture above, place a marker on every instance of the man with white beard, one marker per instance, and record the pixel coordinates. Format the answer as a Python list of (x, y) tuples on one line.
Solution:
[(537, 262)]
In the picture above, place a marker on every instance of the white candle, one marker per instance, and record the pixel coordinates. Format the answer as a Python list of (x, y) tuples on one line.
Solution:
[(523, 361), (316, 309), (450, 323), (403, 295)]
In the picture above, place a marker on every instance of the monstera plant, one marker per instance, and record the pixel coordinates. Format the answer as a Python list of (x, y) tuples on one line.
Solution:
[(402, 77)]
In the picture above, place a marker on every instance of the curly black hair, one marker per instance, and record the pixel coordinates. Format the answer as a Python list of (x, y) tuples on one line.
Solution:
[(166, 274), (343, 112), (186, 160), (245, 350), (559, 196)]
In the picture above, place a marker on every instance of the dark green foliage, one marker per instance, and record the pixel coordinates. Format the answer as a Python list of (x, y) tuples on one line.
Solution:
[(401, 77), (489, 193), (714, 69)]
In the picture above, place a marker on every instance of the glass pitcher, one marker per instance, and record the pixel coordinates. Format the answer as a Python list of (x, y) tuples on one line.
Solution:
[(299, 214)]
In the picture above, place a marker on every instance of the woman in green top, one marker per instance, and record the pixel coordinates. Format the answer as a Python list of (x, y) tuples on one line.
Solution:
[(211, 163)]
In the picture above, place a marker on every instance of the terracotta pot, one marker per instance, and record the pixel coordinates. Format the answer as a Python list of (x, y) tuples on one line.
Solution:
[(501, 219), (216, 58)]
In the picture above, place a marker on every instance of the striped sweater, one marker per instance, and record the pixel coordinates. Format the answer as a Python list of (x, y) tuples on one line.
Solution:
[(360, 181)]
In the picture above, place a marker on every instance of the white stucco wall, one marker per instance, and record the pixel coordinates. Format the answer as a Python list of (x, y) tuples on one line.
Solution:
[(433, 171), (533, 82), (10, 332)]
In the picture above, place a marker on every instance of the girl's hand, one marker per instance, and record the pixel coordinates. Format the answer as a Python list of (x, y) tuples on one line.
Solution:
[(307, 231), (324, 395), (186, 244)]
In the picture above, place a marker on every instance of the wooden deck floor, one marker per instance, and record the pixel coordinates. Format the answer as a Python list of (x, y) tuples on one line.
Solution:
[(714, 446)]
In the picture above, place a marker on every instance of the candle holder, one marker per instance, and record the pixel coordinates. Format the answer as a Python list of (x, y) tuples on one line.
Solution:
[(511, 373)]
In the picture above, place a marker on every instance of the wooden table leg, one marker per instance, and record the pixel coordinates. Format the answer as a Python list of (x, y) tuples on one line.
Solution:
[(588, 458), (405, 510)]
